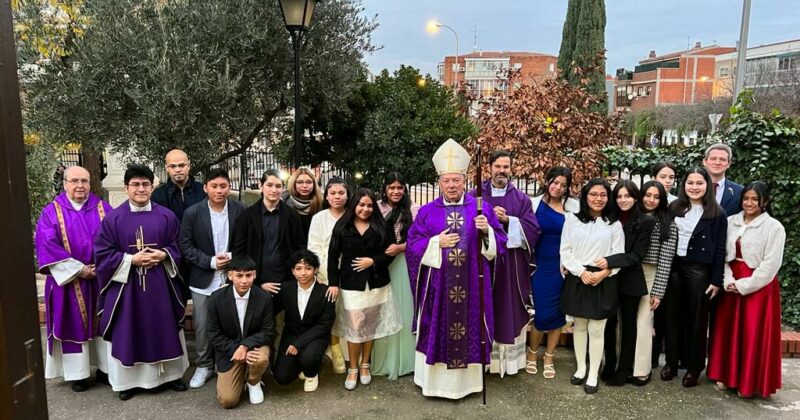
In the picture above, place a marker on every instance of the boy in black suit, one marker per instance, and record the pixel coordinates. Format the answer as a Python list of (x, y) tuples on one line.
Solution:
[(308, 321), (241, 328)]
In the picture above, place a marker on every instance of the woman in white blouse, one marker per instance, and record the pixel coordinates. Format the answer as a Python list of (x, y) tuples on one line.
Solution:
[(745, 346), (696, 275), (590, 293), (337, 195)]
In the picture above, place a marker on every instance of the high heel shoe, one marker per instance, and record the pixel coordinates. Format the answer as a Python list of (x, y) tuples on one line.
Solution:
[(365, 379), (549, 368), (531, 366)]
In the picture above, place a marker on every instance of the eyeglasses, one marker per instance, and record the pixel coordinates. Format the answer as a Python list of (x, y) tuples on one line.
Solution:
[(177, 166), (136, 185), (598, 195), (78, 181)]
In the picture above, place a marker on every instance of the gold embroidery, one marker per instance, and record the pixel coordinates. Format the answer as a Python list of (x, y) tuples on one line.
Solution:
[(76, 284), (457, 257), (455, 220), (457, 294), (457, 331)]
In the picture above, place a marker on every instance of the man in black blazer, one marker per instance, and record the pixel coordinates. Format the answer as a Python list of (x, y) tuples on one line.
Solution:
[(717, 160), (205, 242), (308, 322), (269, 232), (242, 330)]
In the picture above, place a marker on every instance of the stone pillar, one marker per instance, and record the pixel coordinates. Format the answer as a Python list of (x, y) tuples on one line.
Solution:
[(114, 182)]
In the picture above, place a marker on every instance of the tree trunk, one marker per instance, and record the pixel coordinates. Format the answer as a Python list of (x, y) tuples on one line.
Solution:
[(93, 162)]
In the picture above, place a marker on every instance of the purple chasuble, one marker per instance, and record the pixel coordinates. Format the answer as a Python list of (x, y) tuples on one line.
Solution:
[(446, 300), (511, 289), (70, 309), (141, 318)]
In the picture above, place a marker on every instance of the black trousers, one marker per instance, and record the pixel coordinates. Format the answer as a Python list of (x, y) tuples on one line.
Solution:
[(628, 307), (687, 315), (308, 361)]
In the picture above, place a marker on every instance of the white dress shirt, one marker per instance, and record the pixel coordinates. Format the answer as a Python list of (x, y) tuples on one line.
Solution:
[(686, 225), (583, 243), (720, 191), (302, 298), (220, 233), (241, 306)]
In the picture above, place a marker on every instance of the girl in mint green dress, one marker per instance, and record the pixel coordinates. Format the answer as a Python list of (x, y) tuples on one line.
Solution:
[(393, 356)]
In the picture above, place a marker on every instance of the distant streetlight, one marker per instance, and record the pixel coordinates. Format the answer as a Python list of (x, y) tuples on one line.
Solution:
[(433, 27), (421, 82), (297, 16)]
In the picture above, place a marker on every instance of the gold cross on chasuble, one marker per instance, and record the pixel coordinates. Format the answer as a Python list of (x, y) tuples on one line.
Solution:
[(140, 245)]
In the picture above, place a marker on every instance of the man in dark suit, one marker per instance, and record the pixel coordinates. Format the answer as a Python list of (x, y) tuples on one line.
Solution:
[(205, 242), (242, 330), (269, 232), (308, 322), (717, 160)]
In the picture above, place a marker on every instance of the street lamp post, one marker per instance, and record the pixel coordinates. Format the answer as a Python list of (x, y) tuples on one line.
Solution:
[(741, 53), (433, 27), (297, 16)]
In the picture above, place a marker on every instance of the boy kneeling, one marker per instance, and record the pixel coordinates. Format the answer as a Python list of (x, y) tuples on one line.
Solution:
[(309, 319), (241, 327)]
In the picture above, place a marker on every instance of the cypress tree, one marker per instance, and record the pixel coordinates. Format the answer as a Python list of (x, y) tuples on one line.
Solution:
[(568, 37), (583, 39)]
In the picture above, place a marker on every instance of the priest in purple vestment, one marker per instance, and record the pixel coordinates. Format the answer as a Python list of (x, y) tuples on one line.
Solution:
[(64, 235), (142, 304), (442, 252), (511, 286)]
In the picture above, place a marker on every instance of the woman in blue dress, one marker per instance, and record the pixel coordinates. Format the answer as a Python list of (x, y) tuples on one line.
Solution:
[(547, 281)]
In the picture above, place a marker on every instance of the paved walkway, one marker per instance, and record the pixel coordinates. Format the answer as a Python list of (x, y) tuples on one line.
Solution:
[(515, 397)]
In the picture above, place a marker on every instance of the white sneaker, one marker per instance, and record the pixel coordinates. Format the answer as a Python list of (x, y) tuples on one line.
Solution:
[(311, 384), (201, 375), (256, 393)]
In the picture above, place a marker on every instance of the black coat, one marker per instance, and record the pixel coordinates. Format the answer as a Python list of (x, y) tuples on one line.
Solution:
[(223, 328), (707, 246), (197, 240), (177, 200), (352, 245), (247, 236), (630, 279), (316, 323)]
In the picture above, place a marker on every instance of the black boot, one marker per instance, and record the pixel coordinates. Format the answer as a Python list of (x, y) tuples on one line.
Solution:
[(177, 385)]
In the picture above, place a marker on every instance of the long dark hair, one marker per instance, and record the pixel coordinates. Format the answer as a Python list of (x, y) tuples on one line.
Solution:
[(551, 175), (633, 191), (585, 214), (762, 192), (335, 180), (661, 212), (682, 205), (401, 211), (376, 221)]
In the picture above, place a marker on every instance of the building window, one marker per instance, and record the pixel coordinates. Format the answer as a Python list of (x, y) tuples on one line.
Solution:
[(640, 91), (649, 90), (788, 63), (724, 71), (552, 67)]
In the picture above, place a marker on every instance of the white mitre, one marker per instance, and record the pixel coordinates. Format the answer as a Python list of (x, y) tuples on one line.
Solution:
[(451, 158)]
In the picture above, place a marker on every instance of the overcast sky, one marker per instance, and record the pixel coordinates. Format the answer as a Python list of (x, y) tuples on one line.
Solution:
[(633, 27)]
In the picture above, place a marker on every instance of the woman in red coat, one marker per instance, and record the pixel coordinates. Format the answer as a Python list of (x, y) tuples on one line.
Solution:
[(745, 349)]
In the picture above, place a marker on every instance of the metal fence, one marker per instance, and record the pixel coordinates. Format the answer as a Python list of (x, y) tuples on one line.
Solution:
[(245, 172)]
